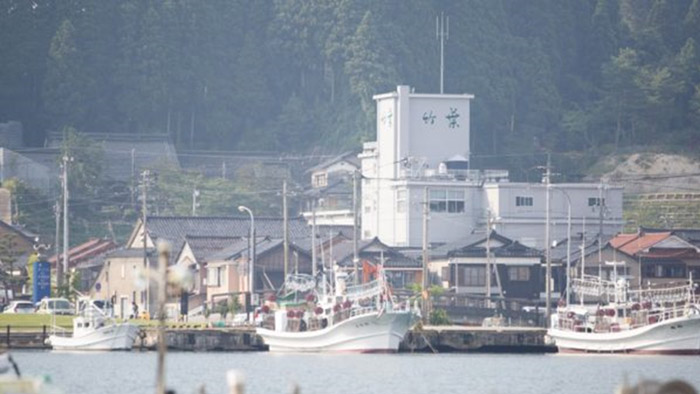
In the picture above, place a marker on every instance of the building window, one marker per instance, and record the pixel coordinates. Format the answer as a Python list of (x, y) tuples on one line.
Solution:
[(521, 274), (594, 201), (445, 274), (663, 271), (673, 271), (320, 180), (401, 201), (214, 276), (451, 201), (472, 276), (521, 201)]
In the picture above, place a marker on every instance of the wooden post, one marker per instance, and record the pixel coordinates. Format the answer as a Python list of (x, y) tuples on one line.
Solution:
[(163, 257)]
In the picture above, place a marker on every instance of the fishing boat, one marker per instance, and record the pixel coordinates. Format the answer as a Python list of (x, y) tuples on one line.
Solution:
[(661, 320), (93, 329), (311, 315)]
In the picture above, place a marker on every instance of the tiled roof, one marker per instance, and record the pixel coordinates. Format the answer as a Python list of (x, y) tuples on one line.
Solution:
[(691, 235), (558, 253), (87, 251), (29, 237), (509, 248), (343, 254), (350, 157), (671, 254), (232, 250), (203, 246), (631, 244), (176, 228)]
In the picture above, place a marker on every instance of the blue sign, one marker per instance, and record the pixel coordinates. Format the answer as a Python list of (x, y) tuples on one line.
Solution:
[(41, 288)]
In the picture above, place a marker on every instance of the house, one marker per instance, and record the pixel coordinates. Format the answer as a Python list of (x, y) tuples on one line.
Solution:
[(193, 256), (87, 259), (422, 158), (16, 245), (651, 258), (462, 265), (228, 270), (577, 253), (401, 270), (331, 191), (193, 239)]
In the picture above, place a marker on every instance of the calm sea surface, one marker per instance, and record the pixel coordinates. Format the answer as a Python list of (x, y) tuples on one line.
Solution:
[(134, 372)]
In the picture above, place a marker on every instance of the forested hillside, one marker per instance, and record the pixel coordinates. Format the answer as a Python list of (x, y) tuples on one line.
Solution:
[(299, 75)]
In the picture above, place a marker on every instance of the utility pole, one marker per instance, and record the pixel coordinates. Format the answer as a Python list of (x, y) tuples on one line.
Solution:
[(355, 219), (426, 210), (313, 238), (547, 241), (285, 228), (488, 257), (66, 160), (59, 264), (442, 33), (144, 214), (133, 176), (601, 212)]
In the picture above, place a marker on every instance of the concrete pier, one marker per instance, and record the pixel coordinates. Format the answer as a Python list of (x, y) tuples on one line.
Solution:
[(476, 339), (203, 340), (426, 339)]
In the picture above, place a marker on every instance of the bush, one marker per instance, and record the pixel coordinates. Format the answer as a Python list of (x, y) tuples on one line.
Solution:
[(439, 318)]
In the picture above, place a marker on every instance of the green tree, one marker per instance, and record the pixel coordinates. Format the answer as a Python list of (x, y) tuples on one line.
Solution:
[(65, 103), (9, 253), (370, 67)]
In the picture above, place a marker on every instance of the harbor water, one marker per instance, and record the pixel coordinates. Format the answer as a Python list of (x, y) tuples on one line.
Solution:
[(134, 372)]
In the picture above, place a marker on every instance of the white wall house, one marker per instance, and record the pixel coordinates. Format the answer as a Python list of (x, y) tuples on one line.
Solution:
[(423, 143)]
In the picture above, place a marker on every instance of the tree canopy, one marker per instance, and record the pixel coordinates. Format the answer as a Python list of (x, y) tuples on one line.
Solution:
[(299, 75)]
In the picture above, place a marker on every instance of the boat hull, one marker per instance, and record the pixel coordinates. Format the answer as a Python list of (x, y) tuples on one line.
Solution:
[(110, 337), (370, 333), (673, 336)]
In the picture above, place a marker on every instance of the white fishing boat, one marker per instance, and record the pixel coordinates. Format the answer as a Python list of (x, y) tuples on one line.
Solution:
[(318, 317), (649, 321), (93, 329)]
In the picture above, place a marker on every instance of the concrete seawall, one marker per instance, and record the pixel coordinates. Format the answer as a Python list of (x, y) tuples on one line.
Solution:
[(425, 339)]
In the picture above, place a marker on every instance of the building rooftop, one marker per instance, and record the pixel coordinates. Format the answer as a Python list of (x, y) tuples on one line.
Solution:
[(176, 229), (86, 251)]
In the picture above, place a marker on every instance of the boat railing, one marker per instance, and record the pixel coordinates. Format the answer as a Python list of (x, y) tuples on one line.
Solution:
[(603, 323), (364, 290), (592, 286), (662, 294)]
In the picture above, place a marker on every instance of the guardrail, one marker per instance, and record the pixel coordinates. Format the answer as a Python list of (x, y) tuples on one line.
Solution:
[(24, 337)]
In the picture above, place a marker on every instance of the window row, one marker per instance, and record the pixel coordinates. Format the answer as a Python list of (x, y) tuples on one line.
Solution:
[(476, 275), (451, 201)]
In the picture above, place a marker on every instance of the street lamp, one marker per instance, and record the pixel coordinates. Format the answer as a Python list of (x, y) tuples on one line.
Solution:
[(251, 249), (568, 244)]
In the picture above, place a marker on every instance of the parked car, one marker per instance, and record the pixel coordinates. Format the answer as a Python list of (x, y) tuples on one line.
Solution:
[(19, 307), (55, 306)]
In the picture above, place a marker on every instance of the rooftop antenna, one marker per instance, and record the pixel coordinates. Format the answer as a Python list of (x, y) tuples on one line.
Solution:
[(442, 33)]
